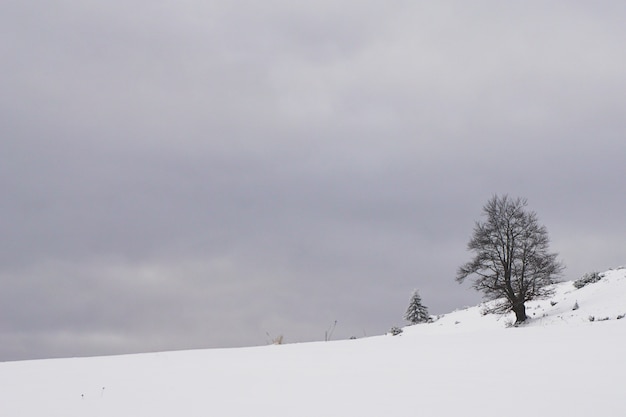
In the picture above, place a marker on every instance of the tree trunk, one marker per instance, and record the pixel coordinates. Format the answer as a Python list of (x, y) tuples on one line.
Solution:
[(520, 312)]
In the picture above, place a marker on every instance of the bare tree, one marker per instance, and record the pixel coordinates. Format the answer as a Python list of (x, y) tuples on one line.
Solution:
[(512, 263)]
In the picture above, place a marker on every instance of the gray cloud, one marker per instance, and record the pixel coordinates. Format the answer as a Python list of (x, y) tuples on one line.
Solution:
[(192, 175)]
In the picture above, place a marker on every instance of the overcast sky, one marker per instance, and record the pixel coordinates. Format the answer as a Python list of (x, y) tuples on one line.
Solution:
[(196, 174)]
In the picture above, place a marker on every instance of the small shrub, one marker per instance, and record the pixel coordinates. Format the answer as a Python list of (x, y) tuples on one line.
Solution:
[(603, 319), (395, 331), (588, 278), (621, 316), (575, 306), (592, 318), (553, 303), (278, 340)]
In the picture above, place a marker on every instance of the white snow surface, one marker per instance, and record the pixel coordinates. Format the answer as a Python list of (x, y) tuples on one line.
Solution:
[(465, 363)]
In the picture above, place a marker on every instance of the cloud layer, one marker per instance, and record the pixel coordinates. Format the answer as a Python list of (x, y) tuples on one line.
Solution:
[(189, 174)]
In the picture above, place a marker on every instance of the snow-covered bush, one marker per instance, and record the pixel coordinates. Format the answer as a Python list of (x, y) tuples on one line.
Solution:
[(395, 331), (588, 278), (575, 306)]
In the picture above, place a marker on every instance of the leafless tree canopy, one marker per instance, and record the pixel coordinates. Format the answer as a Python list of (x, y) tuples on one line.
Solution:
[(512, 262)]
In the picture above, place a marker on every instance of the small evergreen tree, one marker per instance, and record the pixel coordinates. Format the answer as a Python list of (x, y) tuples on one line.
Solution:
[(416, 312)]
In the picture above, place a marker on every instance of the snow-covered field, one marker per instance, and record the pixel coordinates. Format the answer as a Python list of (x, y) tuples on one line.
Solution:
[(559, 364)]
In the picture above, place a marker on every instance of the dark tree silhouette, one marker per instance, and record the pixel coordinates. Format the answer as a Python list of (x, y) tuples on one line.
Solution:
[(512, 263)]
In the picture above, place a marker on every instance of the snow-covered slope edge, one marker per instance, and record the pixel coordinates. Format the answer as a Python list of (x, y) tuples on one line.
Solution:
[(599, 301), (464, 364)]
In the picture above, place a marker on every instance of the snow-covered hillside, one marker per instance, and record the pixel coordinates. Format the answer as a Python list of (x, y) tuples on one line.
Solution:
[(559, 364), (603, 300)]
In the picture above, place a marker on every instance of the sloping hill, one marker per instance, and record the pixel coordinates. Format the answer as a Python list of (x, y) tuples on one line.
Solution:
[(602, 300), (465, 363)]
